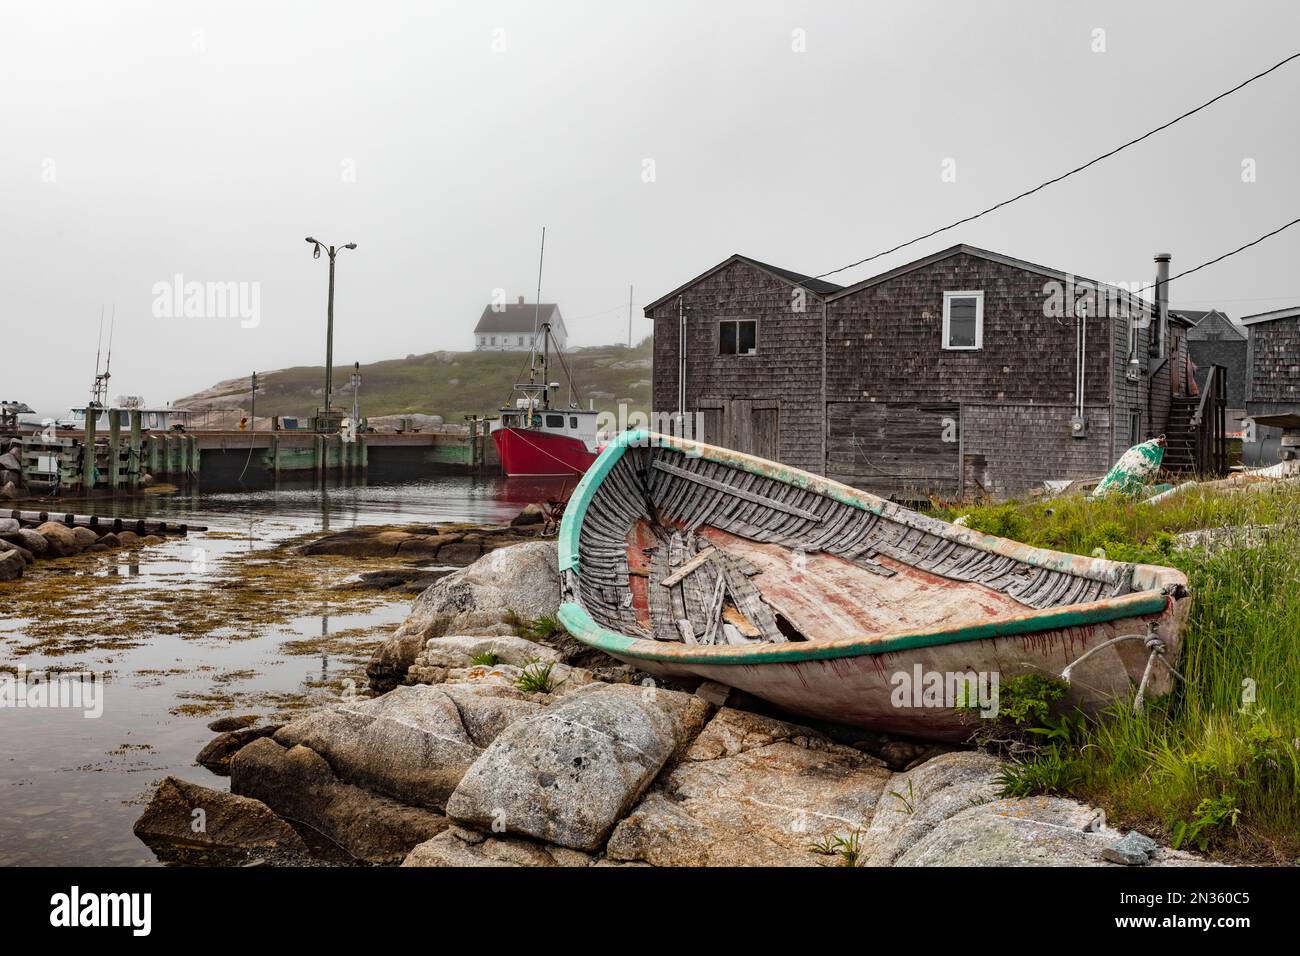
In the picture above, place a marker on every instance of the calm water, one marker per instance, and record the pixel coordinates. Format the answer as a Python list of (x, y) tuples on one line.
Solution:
[(70, 787)]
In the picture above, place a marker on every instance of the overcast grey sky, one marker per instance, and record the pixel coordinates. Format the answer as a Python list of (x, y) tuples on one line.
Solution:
[(141, 140)]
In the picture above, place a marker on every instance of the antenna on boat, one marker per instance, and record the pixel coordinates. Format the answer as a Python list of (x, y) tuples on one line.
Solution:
[(99, 351), (99, 390), (108, 360), (537, 313)]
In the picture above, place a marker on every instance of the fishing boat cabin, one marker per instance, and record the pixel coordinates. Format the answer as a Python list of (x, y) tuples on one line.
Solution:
[(151, 419)]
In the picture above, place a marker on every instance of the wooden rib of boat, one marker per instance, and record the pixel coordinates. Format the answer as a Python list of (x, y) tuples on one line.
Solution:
[(688, 560)]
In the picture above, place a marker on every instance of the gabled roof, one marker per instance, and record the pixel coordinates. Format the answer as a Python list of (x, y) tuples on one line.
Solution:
[(519, 317), (1290, 313), (964, 249), (816, 286), (1203, 322)]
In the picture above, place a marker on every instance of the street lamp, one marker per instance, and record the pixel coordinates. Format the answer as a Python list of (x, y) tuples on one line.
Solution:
[(329, 327)]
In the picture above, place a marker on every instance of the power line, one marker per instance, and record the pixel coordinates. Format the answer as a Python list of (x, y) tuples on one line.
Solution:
[(1066, 175), (1226, 255), (1052, 181)]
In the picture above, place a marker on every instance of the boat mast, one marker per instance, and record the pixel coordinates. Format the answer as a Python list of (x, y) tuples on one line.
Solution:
[(99, 391), (537, 314), (546, 363), (99, 351)]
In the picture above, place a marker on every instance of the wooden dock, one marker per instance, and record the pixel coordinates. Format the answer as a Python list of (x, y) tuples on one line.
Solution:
[(57, 462)]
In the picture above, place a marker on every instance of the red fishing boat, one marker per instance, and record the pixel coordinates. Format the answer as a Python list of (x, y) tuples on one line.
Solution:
[(533, 438), (537, 439)]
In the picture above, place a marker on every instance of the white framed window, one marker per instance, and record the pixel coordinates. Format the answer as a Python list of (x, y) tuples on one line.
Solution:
[(963, 320)]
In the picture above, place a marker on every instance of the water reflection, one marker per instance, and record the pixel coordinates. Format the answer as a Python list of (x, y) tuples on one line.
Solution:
[(68, 786)]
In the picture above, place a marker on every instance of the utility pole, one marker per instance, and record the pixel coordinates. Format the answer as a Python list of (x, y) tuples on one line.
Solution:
[(629, 316), (329, 321)]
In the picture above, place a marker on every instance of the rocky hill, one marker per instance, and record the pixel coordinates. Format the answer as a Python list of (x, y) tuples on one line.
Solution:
[(450, 384)]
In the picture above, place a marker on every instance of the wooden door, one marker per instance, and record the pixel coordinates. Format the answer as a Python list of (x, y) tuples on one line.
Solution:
[(764, 428), (899, 451), (745, 425)]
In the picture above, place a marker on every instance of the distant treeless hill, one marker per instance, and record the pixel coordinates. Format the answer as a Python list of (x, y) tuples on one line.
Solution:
[(450, 384)]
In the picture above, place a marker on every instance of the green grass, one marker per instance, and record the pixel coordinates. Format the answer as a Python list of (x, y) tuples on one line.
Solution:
[(539, 629), (536, 678), (453, 384), (1215, 765), (847, 848)]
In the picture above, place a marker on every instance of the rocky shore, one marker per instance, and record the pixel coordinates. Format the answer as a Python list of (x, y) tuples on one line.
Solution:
[(491, 740), (22, 546)]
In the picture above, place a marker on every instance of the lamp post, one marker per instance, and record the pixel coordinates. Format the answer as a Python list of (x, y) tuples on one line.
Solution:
[(329, 325)]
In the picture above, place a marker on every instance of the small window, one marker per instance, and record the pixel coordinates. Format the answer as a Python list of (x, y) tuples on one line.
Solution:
[(573, 422), (521, 340), (494, 340), (554, 421), (738, 337), (963, 320), (482, 340)]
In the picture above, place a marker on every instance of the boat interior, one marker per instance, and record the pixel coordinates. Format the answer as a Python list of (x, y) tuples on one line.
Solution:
[(679, 547)]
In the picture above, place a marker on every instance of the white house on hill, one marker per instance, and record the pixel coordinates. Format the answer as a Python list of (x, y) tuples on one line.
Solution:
[(509, 328)]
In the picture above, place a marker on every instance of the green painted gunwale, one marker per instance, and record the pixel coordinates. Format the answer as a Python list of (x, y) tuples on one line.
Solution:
[(1150, 599)]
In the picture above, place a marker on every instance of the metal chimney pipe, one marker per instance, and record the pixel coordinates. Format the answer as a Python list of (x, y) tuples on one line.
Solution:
[(1162, 301)]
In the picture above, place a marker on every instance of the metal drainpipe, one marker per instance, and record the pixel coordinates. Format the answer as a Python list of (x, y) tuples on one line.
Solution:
[(825, 463), (681, 359)]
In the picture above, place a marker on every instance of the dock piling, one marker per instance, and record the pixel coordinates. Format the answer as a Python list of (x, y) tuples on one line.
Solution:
[(114, 449), (134, 461)]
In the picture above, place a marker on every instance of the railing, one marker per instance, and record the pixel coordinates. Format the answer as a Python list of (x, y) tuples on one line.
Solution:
[(1210, 425)]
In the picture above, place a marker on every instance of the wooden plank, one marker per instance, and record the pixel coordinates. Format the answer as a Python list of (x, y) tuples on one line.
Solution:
[(686, 568), (715, 611), (732, 634), (749, 496), (686, 631), (732, 616)]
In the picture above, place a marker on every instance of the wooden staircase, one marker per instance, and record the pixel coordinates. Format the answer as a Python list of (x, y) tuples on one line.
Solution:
[(1180, 437), (1196, 438)]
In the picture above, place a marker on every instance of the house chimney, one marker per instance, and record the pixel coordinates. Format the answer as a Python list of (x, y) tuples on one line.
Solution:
[(1162, 302), (521, 298)]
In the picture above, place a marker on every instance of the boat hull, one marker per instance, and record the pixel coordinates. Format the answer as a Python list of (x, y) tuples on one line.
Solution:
[(993, 609), (527, 452), (896, 692)]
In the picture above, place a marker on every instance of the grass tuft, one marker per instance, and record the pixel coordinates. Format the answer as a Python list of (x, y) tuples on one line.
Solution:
[(536, 678), (1215, 765)]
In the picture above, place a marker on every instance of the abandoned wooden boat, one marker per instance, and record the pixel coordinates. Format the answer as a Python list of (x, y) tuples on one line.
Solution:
[(687, 560)]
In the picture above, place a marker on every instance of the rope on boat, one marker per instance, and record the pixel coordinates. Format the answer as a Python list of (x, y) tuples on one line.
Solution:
[(1152, 643), (566, 465)]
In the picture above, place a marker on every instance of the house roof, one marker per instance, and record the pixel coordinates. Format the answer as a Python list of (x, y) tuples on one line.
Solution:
[(1217, 319), (1289, 313), (964, 249), (831, 292), (519, 317), (816, 286)]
